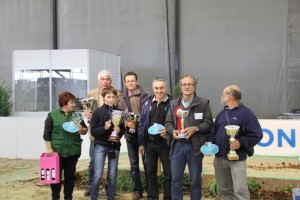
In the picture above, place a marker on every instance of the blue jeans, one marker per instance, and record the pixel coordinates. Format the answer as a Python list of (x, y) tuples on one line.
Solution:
[(133, 154), (231, 177), (183, 154), (100, 152), (91, 164)]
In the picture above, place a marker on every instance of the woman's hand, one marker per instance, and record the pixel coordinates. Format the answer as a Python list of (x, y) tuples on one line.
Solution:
[(82, 130), (49, 152)]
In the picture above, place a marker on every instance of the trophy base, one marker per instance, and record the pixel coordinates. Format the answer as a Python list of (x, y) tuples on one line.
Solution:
[(232, 157), (114, 139)]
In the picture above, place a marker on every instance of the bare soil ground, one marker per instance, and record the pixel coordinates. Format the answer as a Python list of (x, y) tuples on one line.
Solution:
[(275, 177)]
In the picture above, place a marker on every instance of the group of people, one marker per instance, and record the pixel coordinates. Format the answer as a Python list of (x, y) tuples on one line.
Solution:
[(174, 151)]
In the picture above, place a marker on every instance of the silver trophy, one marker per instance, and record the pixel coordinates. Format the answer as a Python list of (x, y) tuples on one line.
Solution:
[(133, 117), (89, 105), (77, 118), (232, 130), (181, 114), (116, 119)]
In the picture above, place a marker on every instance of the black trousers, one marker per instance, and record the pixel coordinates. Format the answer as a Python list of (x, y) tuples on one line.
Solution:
[(154, 150), (68, 165)]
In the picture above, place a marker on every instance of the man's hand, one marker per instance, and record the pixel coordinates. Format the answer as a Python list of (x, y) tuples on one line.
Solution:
[(107, 124), (189, 131), (235, 145), (163, 133), (88, 114), (142, 150), (131, 124), (175, 135), (117, 129)]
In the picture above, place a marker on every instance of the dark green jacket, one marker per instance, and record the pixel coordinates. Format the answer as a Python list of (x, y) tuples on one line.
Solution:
[(65, 143)]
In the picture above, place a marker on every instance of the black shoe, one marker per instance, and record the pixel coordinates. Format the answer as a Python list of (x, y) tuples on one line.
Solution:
[(137, 195)]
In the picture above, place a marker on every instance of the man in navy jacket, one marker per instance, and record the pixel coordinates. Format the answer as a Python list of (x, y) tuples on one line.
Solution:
[(154, 112), (231, 175)]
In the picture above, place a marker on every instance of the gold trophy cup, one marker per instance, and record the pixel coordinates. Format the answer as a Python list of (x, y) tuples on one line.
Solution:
[(182, 114), (116, 119), (232, 130)]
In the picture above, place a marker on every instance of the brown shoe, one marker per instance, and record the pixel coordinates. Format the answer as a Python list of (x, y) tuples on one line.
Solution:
[(137, 195), (87, 193)]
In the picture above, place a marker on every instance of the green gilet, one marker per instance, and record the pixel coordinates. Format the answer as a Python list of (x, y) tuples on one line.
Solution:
[(65, 143)]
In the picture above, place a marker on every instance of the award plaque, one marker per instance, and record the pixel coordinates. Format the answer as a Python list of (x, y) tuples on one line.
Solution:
[(209, 149), (155, 129)]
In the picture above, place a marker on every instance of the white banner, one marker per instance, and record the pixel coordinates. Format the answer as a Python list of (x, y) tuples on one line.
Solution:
[(281, 138)]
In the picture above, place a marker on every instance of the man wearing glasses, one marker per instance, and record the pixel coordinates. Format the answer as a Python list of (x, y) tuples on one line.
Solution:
[(231, 173), (186, 148)]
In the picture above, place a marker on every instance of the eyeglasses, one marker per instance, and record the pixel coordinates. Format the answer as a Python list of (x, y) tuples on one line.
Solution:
[(187, 84), (227, 93)]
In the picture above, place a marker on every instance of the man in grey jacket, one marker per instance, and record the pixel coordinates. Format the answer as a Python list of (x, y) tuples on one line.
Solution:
[(186, 148), (132, 99)]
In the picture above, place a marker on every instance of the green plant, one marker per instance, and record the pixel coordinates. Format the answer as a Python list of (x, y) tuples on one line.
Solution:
[(212, 187), (5, 103), (124, 183), (177, 91), (288, 188), (253, 185)]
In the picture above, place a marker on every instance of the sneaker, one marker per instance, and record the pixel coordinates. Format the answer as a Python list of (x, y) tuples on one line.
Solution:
[(137, 195), (87, 193)]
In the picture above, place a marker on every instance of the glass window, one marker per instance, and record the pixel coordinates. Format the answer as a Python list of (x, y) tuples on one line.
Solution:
[(32, 87)]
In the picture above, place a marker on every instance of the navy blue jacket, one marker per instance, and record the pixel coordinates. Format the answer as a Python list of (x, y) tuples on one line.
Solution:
[(249, 134), (99, 117), (144, 121)]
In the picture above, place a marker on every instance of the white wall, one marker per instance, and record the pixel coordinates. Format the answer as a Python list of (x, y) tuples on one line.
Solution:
[(22, 137)]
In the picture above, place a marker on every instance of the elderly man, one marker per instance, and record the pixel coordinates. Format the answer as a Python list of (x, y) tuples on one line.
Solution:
[(104, 81), (230, 171), (186, 148), (154, 111)]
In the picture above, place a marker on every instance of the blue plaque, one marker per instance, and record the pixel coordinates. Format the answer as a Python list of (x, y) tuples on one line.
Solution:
[(209, 149), (155, 129), (70, 127)]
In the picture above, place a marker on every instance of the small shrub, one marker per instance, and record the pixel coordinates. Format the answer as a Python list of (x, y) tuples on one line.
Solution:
[(124, 183), (5, 103), (177, 91), (288, 188), (253, 185), (212, 188)]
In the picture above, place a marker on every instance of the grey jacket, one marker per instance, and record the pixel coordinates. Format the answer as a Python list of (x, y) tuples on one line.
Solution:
[(198, 105)]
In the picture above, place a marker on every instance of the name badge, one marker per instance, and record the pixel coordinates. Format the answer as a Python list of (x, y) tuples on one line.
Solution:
[(198, 115)]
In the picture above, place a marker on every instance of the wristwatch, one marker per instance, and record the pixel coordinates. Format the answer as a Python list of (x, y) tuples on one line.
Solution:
[(196, 128)]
